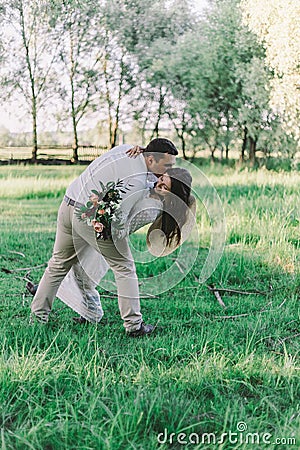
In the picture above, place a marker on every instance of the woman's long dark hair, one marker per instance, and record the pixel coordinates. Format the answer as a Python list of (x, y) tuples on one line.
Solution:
[(174, 212)]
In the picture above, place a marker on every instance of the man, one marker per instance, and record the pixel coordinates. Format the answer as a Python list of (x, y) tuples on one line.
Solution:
[(73, 235)]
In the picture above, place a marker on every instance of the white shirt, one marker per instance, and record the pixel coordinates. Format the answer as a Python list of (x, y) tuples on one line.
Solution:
[(113, 166)]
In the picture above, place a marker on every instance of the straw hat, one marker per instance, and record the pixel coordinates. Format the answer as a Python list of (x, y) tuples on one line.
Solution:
[(156, 239)]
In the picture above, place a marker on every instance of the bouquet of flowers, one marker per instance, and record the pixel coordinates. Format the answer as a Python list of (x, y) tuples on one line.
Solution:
[(101, 209)]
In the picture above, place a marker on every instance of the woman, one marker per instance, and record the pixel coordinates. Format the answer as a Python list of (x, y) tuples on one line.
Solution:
[(167, 206), (174, 187)]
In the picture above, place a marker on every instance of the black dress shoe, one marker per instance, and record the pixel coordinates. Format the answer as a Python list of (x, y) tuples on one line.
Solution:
[(142, 331), (79, 320), (31, 288)]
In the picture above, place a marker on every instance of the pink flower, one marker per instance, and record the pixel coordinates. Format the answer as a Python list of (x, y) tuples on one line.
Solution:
[(83, 215), (98, 227)]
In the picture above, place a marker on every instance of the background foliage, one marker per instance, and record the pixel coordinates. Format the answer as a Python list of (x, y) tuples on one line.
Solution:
[(224, 82)]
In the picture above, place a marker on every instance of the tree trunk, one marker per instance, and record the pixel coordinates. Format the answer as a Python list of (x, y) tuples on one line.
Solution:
[(227, 137), (117, 116), (183, 146), (160, 107), (212, 155), (75, 138), (221, 152), (75, 134), (73, 109), (227, 152), (34, 131), (244, 145), (32, 84), (113, 140), (109, 104), (180, 133), (252, 151), (143, 131)]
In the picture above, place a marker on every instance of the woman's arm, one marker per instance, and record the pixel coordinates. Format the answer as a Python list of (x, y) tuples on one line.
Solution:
[(135, 151)]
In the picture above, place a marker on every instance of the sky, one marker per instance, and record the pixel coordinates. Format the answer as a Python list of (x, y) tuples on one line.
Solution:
[(15, 118)]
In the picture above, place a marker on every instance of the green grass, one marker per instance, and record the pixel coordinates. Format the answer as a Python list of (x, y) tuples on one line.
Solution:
[(65, 386)]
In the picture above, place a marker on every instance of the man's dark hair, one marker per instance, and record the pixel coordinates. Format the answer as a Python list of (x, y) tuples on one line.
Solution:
[(160, 145)]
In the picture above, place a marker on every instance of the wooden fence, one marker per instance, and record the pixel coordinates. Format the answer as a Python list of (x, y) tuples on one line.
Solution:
[(48, 153)]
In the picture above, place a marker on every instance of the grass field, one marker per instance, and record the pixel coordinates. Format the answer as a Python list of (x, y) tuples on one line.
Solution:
[(226, 378)]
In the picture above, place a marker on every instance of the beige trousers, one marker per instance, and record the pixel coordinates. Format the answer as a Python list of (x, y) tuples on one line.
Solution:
[(72, 236)]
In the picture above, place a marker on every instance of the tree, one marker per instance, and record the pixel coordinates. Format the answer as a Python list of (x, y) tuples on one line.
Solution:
[(274, 141), (118, 82), (30, 57), (219, 71), (148, 31), (77, 35), (255, 114), (165, 77), (181, 121), (276, 23)]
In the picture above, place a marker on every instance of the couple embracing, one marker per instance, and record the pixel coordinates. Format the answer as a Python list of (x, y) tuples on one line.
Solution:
[(118, 193)]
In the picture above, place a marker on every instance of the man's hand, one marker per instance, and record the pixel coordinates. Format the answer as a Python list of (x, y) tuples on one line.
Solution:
[(94, 199), (135, 151)]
